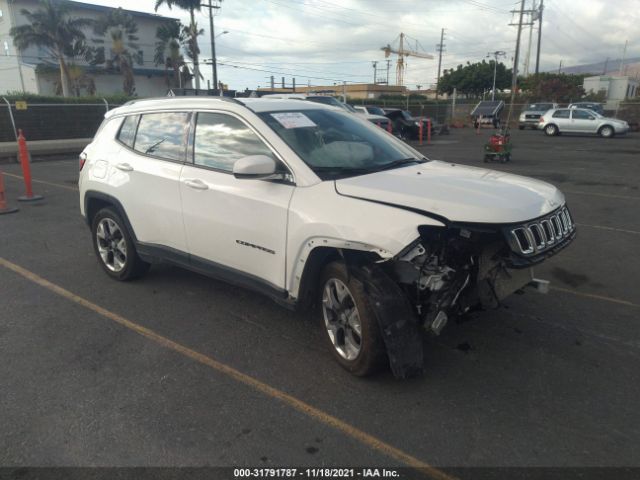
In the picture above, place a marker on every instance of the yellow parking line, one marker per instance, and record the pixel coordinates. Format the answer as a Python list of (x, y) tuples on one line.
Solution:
[(596, 297), (601, 227), (303, 407), (580, 192), (20, 177)]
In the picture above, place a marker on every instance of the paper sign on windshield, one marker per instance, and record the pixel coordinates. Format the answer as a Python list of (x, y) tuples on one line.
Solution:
[(293, 120)]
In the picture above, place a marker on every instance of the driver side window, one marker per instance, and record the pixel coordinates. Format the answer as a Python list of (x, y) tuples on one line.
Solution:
[(220, 140)]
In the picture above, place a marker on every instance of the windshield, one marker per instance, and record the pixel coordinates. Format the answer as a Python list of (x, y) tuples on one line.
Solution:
[(406, 115), (375, 111), (349, 108), (540, 107), (336, 144)]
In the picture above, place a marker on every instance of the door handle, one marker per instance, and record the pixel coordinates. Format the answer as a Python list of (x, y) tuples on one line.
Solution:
[(196, 184), (125, 167)]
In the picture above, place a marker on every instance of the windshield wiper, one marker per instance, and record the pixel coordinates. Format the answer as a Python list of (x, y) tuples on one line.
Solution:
[(399, 163), (153, 147)]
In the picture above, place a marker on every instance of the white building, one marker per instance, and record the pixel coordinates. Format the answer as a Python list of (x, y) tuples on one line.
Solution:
[(616, 88), (27, 70)]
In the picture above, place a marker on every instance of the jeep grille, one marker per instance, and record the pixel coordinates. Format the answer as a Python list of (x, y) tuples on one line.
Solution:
[(541, 234)]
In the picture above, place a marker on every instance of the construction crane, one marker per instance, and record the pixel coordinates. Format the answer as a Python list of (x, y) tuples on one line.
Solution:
[(402, 52)]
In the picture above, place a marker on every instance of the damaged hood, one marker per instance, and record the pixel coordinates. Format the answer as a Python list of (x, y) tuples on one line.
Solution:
[(457, 192)]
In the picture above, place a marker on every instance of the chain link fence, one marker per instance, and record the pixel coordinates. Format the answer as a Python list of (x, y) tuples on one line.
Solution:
[(50, 121)]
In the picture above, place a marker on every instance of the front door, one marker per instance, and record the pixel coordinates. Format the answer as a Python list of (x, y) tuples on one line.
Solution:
[(237, 224), (583, 121)]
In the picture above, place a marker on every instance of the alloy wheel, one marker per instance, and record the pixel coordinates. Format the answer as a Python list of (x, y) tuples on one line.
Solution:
[(112, 246), (341, 319)]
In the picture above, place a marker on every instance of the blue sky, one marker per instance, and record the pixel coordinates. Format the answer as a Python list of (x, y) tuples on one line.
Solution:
[(322, 42)]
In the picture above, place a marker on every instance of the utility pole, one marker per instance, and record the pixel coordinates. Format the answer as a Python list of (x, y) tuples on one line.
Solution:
[(213, 5), (560, 67), (496, 55), (540, 9), (527, 61), (439, 48), (375, 65), (624, 55), (388, 66), (516, 58)]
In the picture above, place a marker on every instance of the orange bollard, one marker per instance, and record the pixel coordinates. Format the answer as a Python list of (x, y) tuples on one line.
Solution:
[(428, 131), (4, 208), (420, 131), (26, 170)]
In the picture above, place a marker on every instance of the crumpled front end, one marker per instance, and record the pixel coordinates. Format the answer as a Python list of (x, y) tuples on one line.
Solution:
[(451, 270)]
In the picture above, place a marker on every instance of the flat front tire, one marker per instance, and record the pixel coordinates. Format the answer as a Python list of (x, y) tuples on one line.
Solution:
[(114, 247), (350, 327)]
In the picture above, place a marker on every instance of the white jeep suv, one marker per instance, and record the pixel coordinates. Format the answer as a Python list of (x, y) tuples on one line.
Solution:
[(314, 206)]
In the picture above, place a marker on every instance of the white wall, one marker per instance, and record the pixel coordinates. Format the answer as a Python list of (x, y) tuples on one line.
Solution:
[(9, 73)]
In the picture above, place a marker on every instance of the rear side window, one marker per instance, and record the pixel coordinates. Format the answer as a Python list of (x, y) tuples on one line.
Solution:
[(127, 131), (221, 139), (162, 135), (561, 114)]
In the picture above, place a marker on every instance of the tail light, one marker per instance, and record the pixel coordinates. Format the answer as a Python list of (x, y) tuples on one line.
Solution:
[(82, 159), (541, 120)]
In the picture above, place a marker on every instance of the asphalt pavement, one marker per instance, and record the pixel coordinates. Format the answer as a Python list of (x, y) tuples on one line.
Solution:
[(232, 379)]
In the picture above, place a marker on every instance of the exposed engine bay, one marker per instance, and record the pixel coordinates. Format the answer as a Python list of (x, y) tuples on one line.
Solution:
[(449, 271)]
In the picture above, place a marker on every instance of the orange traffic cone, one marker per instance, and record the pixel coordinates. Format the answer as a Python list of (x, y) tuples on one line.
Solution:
[(3, 199)]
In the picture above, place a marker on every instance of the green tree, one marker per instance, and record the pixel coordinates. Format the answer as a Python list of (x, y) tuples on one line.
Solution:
[(121, 29), (193, 51), (51, 27), (557, 87), (475, 78), (172, 36)]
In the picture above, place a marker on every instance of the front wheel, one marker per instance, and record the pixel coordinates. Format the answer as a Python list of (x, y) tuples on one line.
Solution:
[(114, 247), (351, 328), (606, 132), (551, 130)]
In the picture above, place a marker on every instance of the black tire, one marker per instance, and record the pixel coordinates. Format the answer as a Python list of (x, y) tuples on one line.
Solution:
[(372, 354), (606, 131), (133, 265), (551, 130), (520, 127)]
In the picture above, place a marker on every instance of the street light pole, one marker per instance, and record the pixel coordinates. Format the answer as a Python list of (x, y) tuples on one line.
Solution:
[(496, 54)]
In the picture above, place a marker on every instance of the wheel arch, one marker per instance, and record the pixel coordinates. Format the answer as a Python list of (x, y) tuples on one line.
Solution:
[(95, 201), (321, 252)]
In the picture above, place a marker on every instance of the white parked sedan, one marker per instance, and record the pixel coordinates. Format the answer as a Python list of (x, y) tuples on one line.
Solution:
[(580, 120), (312, 205)]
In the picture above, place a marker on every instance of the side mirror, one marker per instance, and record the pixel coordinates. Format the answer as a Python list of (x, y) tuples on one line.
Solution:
[(256, 167)]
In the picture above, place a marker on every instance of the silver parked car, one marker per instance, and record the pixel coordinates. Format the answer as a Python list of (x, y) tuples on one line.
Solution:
[(580, 120)]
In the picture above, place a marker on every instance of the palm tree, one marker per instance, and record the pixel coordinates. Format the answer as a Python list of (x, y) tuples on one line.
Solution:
[(51, 28), (193, 51), (121, 29), (171, 38)]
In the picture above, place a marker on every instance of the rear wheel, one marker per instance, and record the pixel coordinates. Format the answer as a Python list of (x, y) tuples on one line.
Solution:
[(551, 130), (114, 247), (351, 328), (606, 131)]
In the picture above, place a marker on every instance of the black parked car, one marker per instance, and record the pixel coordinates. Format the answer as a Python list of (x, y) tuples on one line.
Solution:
[(405, 125)]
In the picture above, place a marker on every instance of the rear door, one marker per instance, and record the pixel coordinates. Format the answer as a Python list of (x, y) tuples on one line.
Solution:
[(562, 118), (146, 176), (237, 226)]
